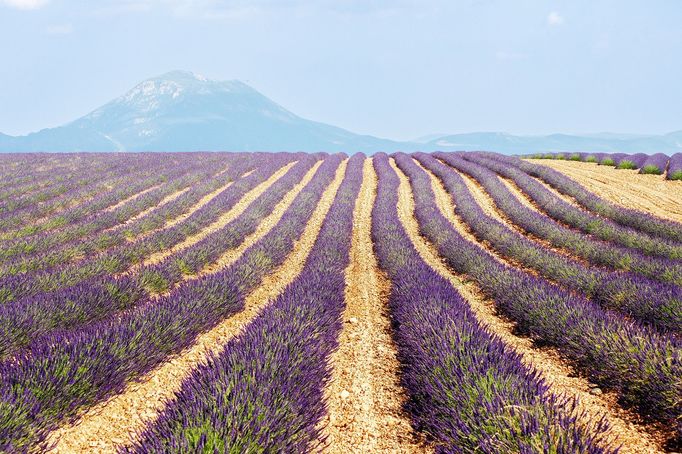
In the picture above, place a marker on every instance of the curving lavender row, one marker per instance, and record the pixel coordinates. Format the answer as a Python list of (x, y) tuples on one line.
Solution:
[(675, 167), (467, 391), (25, 321), (642, 366), (66, 372), (650, 302), (643, 222), (264, 391), (542, 226), (44, 190), (22, 241), (120, 259), (570, 215)]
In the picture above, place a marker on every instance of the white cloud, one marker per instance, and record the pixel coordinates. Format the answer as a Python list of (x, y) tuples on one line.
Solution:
[(555, 18), (59, 29), (25, 4)]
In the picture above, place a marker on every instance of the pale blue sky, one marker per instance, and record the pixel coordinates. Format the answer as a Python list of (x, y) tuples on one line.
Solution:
[(396, 69)]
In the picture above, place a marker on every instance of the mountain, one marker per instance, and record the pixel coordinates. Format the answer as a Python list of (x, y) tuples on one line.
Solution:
[(516, 144), (182, 111)]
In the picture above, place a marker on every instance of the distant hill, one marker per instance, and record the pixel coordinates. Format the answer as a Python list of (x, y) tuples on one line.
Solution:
[(514, 144), (182, 111)]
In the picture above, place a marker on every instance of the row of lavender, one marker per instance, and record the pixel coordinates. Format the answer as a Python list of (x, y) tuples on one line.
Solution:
[(125, 254), (655, 164), (69, 370), (665, 230), (99, 231), (103, 236), (99, 184), (598, 240), (88, 218), (642, 365), (467, 390), (95, 298), (645, 299), (40, 179), (263, 392)]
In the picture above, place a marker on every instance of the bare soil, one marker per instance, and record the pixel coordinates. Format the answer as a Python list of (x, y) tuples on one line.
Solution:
[(364, 397), (650, 193)]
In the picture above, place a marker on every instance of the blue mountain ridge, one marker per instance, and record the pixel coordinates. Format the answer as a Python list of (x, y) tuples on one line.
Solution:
[(182, 111)]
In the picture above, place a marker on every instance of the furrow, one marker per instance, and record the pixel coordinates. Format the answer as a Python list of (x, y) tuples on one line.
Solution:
[(364, 397), (264, 227), (164, 201), (130, 199)]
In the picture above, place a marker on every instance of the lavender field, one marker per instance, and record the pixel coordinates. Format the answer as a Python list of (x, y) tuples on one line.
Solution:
[(299, 302)]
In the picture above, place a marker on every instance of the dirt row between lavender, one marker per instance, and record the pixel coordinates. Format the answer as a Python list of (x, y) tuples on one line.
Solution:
[(137, 195), (117, 421), (162, 202), (227, 217), (364, 397), (628, 188), (563, 379)]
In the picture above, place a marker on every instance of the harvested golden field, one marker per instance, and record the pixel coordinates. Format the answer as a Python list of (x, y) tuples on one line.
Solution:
[(651, 193)]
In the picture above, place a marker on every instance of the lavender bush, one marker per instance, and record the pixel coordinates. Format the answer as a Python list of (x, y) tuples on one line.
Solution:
[(675, 167), (466, 388), (655, 164), (647, 301), (68, 371), (592, 223)]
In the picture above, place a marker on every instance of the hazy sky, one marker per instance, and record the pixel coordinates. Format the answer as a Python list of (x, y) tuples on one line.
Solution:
[(397, 69)]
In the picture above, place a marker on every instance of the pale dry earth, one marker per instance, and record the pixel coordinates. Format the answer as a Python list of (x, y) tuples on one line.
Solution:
[(364, 397), (652, 194), (561, 377), (131, 198), (117, 421), (162, 202)]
